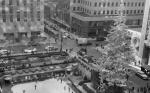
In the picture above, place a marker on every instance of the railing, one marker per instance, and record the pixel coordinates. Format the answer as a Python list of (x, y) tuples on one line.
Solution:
[(38, 54)]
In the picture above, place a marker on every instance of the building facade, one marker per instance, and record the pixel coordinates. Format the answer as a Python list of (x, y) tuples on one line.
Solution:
[(58, 12), (19, 18), (92, 17), (144, 52)]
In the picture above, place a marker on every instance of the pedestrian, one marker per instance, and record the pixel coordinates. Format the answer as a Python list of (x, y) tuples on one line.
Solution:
[(69, 50), (66, 50), (24, 91), (69, 89), (35, 86), (64, 87), (61, 80)]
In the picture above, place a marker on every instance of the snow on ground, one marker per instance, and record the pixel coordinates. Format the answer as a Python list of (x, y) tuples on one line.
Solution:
[(47, 86)]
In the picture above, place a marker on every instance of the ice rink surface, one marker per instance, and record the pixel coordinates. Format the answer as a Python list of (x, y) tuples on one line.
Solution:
[(47, 86)]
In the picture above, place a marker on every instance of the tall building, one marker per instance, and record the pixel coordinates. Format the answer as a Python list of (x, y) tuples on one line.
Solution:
[(20, 18), (90, 18), (144, 52)]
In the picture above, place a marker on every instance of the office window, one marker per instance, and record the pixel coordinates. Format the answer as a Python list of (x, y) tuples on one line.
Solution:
[(99, 12), (18, 16), (78, 8), (115, 11), (11, 10), (25, 2), (104, 4), (3, 3), (134, 11), (38, 15), (10, 2), (132, 4), (74, 1), (38, 2), (124, 11), (116, 3), (99, 4), (128, 4), (112, 11), (142, 3), (11, 18), (95, 4), (74, 8), (138, 11), (127, 12), (112, 4), (139, 3), (104, 12), (107, 11), (141, 11), (78, 1), (124, 3), (108, 4), (135, 3), (17, 2), (95, 12), (130, 11)]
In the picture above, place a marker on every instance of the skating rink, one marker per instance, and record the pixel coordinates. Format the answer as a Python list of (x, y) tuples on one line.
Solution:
[(47, 86)]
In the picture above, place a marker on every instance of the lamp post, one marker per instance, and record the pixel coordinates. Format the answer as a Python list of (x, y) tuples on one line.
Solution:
[(61, 45)]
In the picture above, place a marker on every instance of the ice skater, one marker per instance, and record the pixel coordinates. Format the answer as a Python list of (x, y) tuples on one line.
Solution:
[(24, 91), (61, 80), (64, 87), (35, 86)]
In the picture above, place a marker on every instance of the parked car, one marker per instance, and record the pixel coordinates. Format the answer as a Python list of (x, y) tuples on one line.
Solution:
[(4, 52), (100, 38), (30, 50), (33, 44), (51, 48)]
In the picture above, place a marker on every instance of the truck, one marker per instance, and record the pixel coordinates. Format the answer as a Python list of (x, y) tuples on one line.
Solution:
[(83, 41)]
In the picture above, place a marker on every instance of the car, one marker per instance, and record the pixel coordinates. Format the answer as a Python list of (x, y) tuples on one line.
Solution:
[(51, 48), (57, 67), (4, 52), (142, 75), (33, 44), (100, 38), (51, 67), (30, 50), (64, 36)]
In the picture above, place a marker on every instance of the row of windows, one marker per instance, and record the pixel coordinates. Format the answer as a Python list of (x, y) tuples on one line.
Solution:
[(10, 2), (18, 2), (113, 12), (116, 4), (38, 17), (18, 19), (107, 11), (110, 4)]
